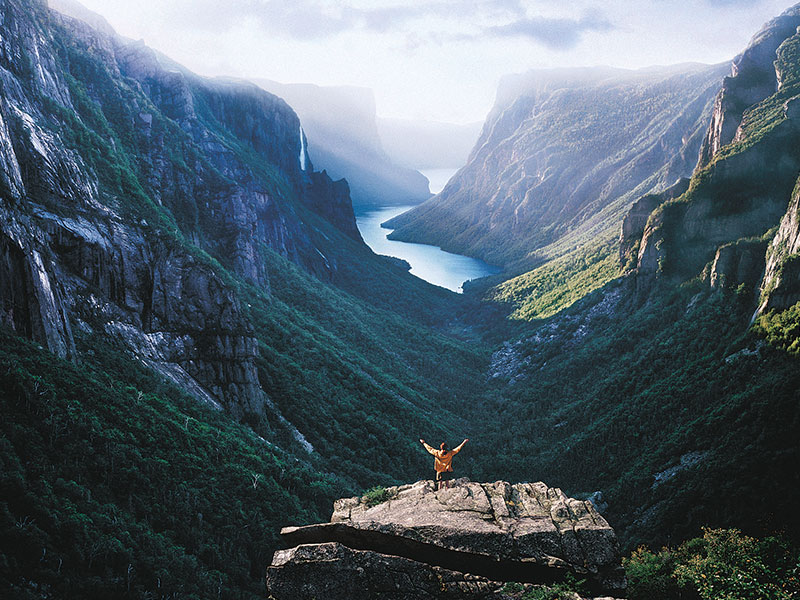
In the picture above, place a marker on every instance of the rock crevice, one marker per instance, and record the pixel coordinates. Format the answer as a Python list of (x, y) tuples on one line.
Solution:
[(490, 532)]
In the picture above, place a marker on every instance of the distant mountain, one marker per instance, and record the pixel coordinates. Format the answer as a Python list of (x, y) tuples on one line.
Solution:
[(340, 124), (428, 144), (562, 155)]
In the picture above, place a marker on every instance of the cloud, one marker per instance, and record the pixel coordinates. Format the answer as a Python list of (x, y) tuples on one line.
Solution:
[(743, 3), (314, 19), (300, 19), (555, 33), (391, 17)]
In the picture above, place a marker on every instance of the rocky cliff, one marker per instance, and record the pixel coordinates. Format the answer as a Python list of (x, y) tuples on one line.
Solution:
[(342, 130), (753, 78), (126, 182), (562, 155), (635, 221), (464, 542), (741, 195)]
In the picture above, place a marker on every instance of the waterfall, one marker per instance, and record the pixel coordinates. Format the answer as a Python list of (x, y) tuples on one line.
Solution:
[(302, 149)]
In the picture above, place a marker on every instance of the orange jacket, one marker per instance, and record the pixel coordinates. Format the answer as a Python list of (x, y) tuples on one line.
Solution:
[(443, 460)]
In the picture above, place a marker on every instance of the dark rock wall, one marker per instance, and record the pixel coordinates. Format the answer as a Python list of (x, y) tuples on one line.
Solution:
[(222, 158)]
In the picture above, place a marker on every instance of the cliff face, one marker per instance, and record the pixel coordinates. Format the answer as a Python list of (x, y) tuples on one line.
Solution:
[(342, 130), (742, 190), (563, 154), (122, 176), (753, 78), (780, 286), (635, 221)]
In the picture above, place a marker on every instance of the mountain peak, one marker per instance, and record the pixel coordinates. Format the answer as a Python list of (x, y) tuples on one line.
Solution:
[(76, 10)]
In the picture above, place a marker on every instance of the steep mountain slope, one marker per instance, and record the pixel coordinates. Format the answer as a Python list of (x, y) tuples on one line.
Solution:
[(340, 124), (166, 238), (743, 195), (562, 156), (120, 175), (172, 217), (669, 408), (128, 487), (654, 388)]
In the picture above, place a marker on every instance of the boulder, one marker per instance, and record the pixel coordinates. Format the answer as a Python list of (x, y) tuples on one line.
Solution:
[(333, 571), (493, 532)]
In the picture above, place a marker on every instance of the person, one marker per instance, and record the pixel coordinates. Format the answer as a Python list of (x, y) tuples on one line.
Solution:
[(443, 462)]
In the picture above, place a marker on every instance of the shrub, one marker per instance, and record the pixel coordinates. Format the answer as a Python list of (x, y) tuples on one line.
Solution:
[(651, 576), (377, 495), (736, 566), (722, 565)]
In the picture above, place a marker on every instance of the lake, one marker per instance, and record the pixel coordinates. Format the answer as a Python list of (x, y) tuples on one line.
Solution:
[(430, 263)]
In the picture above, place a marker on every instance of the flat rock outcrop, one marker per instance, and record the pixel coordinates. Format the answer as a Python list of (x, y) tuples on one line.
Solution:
[(463, 542)]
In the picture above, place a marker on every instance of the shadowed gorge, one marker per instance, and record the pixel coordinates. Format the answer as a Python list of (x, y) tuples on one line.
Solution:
[(199, 353)]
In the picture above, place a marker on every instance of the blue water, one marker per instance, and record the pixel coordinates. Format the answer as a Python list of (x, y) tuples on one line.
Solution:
[(430, 263)]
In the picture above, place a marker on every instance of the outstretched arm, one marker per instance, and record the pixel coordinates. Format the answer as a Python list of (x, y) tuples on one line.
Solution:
[(428, 448), (458, 448)]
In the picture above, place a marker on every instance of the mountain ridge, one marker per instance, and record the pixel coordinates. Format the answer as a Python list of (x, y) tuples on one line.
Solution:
[(508, 205), (342, 128)]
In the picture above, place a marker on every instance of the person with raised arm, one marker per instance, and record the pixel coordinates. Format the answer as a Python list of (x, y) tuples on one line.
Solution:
[(443, 462)]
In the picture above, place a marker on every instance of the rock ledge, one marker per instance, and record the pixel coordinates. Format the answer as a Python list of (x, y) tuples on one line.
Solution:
[(465, 542)]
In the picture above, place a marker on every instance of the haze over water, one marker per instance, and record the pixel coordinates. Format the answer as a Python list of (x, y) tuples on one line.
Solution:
[(437, 178)]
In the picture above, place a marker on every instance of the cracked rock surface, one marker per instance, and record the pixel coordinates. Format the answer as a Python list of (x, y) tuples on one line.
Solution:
[(496, 532)]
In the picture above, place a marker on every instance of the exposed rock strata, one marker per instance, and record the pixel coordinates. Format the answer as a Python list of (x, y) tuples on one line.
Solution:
[(744, 182), (498, 532), (120, 173), (753, 78)]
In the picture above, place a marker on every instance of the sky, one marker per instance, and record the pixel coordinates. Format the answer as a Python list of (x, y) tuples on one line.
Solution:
[(437, 60)]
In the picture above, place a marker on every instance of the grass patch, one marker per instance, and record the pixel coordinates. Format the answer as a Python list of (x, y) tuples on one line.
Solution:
[(556, 285)]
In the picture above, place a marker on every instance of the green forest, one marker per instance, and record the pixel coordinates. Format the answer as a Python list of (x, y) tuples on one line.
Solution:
[(670, 400)]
